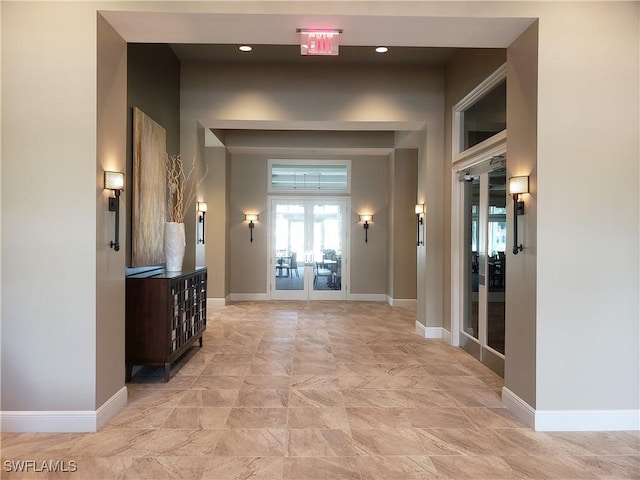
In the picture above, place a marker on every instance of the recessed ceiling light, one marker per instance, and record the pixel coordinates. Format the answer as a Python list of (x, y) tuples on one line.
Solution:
[(245, 48), (382, 49)]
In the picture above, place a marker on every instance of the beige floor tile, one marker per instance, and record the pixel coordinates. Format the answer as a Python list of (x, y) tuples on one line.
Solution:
[(262, 397), (208, 398), (243, 468), (313, 468), (257, 418), (266, 381), (397, 468), (217, 382), (316, 398), (324, 390), (318, 417), (387, 441), (255, 442), (377, 417), (319, 443), (315, 382), (473, 467)]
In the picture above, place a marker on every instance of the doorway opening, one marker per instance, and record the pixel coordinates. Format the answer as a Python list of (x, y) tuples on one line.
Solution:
[(308, 258)]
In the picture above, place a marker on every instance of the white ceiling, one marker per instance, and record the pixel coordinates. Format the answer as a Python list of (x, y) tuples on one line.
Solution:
[(280, 29)]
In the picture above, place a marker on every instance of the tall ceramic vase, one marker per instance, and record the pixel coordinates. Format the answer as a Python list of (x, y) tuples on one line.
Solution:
[(174, 246)]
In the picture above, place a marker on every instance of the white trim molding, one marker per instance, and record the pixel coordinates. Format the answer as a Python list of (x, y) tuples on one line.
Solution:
[(587, 420), (367, 297), (401, 302), (216, 302), (570, 420), (429, 332), (111, 407), (521, 409), (248, 297), (63, 421)]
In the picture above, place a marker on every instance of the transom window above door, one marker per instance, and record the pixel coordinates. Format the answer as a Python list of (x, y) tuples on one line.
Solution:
[(298, 176)]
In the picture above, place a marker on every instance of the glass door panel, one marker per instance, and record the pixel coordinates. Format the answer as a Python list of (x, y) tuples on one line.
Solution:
[(472, 244), (496, 262), (288, 256), (328, 232), (307, 249), (482, 332)]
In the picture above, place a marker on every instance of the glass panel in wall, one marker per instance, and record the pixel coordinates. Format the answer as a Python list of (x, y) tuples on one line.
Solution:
[(486, 117), (327, 247), (305, 177), (289, 243), (496, 247), (472, 244)]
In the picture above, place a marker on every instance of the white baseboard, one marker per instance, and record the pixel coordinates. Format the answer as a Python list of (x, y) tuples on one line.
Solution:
[(216, 302), (63, 421), (521, 409), (401, 302), (446, 335), (434, 332), (111, 407), (587, 420), (248, 297), (570, 420), (429, 332), (367, 297)]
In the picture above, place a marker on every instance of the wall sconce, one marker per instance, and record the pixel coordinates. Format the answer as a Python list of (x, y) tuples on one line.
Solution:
[(114, 181), (251, 217), (202, 210), (419, 215), (517, 186), (366, 219)]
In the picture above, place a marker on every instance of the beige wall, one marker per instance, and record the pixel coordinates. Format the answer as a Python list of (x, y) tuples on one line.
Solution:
[(51, 193), (588, 127), (248, 191), (215, 193), (403, 228), (520, 328), (111, 143), (369, 195)]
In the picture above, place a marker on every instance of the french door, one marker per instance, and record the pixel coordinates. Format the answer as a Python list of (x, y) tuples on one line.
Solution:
[(307, 258), (482, 331)]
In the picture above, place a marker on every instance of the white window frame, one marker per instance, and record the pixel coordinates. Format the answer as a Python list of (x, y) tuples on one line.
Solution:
[(309, 162), (467, 102)]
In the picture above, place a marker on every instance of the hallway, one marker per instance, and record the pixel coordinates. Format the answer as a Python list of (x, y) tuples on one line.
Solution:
[(323, 390)]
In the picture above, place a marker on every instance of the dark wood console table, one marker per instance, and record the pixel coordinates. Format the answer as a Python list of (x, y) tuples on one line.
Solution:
[(166, 312)]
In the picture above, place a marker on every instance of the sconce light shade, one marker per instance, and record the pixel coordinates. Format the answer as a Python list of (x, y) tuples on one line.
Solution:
[(419, 213), (202, 211), (366, 219), (518, 185), (115, 181), (251, 217)]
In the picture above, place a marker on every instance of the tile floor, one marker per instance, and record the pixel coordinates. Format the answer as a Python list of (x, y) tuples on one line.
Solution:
[(326, 391)]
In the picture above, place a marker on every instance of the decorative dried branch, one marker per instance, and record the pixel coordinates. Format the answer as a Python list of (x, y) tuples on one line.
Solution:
[(181, 186)]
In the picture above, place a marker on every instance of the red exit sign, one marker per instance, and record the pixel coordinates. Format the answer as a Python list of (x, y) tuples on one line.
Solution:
[(319, 42)]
